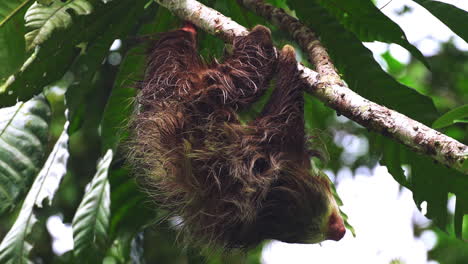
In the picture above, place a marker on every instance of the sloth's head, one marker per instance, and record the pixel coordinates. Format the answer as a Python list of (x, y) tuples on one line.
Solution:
[(298, 208), (301, 209)]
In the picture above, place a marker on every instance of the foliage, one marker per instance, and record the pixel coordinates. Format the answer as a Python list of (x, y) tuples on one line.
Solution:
[(63, 50), (91, 221), (23, 134), (16, 246)]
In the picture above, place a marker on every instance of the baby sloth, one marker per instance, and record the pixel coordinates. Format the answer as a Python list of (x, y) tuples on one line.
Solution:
[(232, 185)]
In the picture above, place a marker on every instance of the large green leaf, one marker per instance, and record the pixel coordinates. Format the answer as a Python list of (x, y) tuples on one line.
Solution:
[(59, 52), (365, 20), (12, 44), (89, 91), (432, 183), (450, 15), (128, 201), (452, 117), (9, 8), (121, 103), (461, 209), (392, 160), (44, 19), (16, 246), (23, 139), (127, 248), (91, 221), (429, 181), (448, 250)]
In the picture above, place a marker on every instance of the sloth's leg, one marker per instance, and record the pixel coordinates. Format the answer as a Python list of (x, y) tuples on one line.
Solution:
[(170, 78), (282, 120), (172, 67), (245, 74)]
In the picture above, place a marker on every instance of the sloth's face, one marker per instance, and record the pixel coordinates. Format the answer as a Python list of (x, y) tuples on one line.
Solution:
[(331, 226), (299, 208)]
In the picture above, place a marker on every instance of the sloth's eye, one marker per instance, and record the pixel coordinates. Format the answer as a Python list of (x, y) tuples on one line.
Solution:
[(260, 166), (209, 80)]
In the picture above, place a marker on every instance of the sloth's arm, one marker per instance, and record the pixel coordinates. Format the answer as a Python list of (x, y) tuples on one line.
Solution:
[(282, 118), (170, 78), (245, 74)]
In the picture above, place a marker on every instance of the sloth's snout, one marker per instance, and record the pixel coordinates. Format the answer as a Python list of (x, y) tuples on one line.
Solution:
[(336, 228)]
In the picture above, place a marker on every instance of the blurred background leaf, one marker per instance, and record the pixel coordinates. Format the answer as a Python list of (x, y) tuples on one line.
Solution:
[(23, 145), (17, 243), (91, 221)]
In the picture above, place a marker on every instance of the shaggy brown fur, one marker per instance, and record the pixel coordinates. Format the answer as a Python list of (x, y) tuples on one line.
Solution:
[(232, 185)]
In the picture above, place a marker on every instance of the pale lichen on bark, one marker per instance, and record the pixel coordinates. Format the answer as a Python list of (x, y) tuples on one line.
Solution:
[(326, 84), (205, 18)]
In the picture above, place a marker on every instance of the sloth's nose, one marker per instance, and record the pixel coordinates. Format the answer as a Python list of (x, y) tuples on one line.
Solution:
[(336, 228)]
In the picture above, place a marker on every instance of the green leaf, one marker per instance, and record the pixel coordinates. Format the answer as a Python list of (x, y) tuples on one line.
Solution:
[(46, 2), (392, 160), (9, 8), (44, 20), (15, 246), (451, 117), (121, 103), (56, 55), (91, 221), (89, 67), (450, 15), (430, 188), (128, 199), (23, 139), (127, 248), (12, 44), (432, 182), (461, 209), (429, 181), (369, 24)]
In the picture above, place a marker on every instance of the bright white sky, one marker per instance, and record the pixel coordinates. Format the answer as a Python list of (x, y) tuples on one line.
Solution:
[(381, 214), (421, 28)]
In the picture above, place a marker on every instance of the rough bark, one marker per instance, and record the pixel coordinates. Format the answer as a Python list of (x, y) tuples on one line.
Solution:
[(326, 83), (304, 36)]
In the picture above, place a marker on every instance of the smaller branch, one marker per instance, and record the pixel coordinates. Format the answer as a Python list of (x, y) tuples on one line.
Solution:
[(328, 86), (303, 35)]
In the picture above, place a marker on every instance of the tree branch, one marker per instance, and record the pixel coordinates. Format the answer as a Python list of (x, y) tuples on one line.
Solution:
[(327, 85), (304, 36)]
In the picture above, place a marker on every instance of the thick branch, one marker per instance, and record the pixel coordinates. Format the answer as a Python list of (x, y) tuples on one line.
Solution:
[(403, 129), (205, 18), (327, 85)]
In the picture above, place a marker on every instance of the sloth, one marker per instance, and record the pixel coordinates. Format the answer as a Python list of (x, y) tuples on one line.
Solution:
[(232, 184)]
